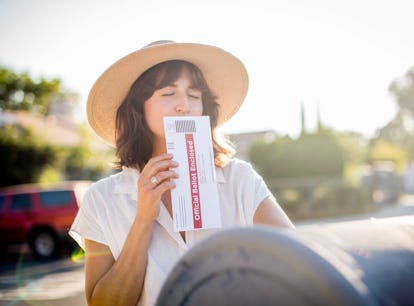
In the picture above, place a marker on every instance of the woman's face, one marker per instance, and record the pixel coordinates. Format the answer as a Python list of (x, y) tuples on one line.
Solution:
[(177, 99)]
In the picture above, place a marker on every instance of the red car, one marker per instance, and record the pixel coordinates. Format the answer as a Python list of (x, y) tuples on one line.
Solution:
[(39, 215)]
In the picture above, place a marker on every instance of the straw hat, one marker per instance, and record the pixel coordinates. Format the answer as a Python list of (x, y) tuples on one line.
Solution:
[(224, 73)]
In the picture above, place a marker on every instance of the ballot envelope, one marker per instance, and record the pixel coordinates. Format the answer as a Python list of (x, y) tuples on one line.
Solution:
[(195, 201)]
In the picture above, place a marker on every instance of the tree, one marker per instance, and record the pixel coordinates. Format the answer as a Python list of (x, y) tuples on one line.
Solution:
[(400, 130), (310, 155), (22, 92), (307, 175), (27, 157), (403, 91), (22, 156), (383, 150)]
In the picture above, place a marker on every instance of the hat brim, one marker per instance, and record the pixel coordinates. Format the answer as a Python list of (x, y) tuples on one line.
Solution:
[(224, 73)]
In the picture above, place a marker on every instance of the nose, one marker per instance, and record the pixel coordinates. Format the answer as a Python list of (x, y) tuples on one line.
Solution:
[(182, 105)]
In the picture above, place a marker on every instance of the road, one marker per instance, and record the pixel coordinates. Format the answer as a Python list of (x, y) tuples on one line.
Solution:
[(29, 283), (60, 283)]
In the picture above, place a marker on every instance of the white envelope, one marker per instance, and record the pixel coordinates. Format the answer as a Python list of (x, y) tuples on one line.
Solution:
[(195, 201)]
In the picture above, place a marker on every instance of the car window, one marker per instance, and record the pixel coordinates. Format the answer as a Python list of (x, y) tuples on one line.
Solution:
[(21, 202), (55, 198), (1, 202)]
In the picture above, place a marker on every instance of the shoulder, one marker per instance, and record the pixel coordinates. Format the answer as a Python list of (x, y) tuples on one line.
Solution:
[(236, 169), (238, 166), (105, 182), (115, 183)]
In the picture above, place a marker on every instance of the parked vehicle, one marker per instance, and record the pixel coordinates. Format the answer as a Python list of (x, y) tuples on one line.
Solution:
[(40, 215)]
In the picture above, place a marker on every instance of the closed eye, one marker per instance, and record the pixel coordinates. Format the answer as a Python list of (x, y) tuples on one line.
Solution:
[(194, 93)]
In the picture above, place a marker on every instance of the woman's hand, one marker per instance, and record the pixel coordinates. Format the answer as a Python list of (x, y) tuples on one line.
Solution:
[(154, 180)]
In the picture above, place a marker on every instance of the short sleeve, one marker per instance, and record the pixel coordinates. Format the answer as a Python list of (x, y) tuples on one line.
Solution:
[(242, 187), (260, 190), (86, 224)]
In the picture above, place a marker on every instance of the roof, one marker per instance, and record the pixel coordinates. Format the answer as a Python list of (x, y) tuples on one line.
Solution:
[(36, 187), (50, 128)]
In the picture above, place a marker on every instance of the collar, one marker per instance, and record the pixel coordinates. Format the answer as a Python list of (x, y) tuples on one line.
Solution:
[(126, 182)]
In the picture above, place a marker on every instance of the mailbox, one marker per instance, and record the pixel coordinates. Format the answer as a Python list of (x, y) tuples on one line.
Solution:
[(368, 262)]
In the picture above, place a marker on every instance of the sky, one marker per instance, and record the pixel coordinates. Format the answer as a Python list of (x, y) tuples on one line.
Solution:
[(337, 58)]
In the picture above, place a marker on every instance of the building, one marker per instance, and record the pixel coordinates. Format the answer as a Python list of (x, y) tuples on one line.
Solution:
[(243, 141)]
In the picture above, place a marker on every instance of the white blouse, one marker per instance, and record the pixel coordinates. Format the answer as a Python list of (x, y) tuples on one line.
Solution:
[(109, 208)]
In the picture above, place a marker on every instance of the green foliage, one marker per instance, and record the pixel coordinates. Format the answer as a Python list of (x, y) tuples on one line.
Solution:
[(28, 158), (324, 201), (82, 163), (383, 150), (22, 156), (354, 146), (400, 130), (403, 91), (310, 155), (397, 135), (86, 161), (22, 92), (50, 174), (306, 174)]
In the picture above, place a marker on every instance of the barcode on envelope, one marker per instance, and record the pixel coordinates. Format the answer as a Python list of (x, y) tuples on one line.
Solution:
[(185, 126)]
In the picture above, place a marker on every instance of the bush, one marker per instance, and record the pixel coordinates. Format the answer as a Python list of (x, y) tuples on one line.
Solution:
[(324, 201), (26, 158), (22, 157), (310, 155)]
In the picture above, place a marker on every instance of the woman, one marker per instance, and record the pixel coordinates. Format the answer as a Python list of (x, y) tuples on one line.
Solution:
[(125, 224)]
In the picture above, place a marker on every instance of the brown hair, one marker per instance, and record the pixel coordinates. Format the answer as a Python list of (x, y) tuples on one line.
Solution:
[(134, 138)]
